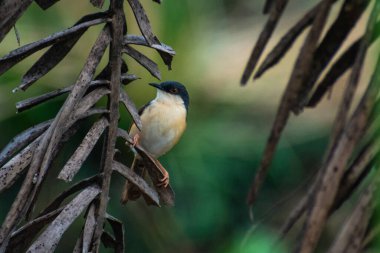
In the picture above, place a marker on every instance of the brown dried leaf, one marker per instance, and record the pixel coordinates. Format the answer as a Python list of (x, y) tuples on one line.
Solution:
[(152, 165), (73, 189), (21, 140), (15, 56), (87, 102), (88, 229), (115, 61), (267, 6), (15, 167), (287, 41), (144, 61), (130, 106), (118, 230), (340, 66), (31, 102), (345, 105), (356, 172), (49, 239), (93, 111), (81, 153), (350, 13), (137, 181), (108, 240), (140, 40), (352, 177), (45, 4), (300, 70), (336, 162), (56, 53), (78, 244), (105, 74), (21, 239), (146, 29), (166, 194), (266, 33), (124, 134), (49, 144), (97, 3), (128, 78), (10, 12), (352, 234)]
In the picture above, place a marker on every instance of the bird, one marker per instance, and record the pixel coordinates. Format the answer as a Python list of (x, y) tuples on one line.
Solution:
[(163, 122)]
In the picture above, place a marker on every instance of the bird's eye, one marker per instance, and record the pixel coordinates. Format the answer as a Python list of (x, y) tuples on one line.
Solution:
[(173, 90)]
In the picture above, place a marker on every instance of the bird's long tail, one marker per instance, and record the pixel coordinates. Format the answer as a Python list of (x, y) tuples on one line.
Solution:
[(130, 191)]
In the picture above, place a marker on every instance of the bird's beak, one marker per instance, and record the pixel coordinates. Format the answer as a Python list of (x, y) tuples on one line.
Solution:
[(156, 85)]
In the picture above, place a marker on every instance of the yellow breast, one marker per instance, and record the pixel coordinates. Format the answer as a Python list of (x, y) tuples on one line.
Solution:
[(162, 126)]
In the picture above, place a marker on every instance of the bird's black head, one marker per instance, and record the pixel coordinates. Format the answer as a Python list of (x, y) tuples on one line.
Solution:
[(174, 88)]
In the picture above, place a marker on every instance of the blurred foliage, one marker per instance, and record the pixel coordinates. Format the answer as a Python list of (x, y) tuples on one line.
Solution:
[(213, 165)]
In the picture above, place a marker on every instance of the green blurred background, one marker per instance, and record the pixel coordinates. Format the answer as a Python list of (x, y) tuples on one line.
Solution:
[(212, 167)]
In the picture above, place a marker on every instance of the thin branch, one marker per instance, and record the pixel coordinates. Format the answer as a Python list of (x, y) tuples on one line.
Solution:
[(17, 35), (115, 61)]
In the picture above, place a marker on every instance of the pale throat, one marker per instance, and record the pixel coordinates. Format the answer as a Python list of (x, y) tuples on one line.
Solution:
[(169, 99)]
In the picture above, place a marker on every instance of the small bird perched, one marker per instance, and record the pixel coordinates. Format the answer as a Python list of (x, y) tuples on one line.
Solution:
[(163, 123)]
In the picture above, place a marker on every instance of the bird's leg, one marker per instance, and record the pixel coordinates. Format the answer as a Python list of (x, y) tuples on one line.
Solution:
[(136, 139), (164, 181)]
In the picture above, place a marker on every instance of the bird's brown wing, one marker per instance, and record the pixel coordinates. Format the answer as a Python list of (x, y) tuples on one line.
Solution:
[(141, 110)]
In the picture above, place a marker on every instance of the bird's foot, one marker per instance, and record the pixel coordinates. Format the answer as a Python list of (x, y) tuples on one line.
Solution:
[(164, 181)]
